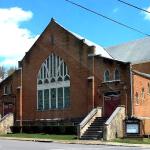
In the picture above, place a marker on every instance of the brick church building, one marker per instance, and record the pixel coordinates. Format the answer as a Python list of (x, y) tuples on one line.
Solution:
[(64, 77)]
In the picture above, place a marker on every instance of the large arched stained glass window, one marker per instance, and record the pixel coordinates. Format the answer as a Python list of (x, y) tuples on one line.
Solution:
[(53, 84)]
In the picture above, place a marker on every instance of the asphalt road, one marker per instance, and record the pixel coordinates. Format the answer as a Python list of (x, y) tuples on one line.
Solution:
[(28, 145)]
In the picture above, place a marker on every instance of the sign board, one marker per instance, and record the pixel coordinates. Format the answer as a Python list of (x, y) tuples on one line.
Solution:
[(132, 128)]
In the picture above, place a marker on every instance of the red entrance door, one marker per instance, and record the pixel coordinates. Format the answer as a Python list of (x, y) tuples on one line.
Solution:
[(8, 108), (111, 102)]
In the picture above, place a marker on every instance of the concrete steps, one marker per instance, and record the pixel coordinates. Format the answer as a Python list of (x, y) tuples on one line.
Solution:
[(95, 131)]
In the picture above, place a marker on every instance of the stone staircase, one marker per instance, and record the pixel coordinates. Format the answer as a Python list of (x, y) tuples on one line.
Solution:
[(95, 130), (6, 122)]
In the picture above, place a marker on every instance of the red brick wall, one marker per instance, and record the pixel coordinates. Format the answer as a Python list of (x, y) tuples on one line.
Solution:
[(14, 81), (103, 64), (74, 53), (142, 108)]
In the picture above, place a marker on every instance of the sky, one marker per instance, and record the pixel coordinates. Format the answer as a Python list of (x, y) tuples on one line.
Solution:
[(22, 22)]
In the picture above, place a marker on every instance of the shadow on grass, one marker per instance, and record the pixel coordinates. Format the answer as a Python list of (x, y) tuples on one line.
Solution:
[(41, 136)]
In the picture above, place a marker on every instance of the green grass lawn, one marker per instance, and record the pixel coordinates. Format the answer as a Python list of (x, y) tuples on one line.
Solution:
[(133, 140), (41, 136)]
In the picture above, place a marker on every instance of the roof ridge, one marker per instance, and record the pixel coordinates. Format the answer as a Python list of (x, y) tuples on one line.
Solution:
[(128, 42)]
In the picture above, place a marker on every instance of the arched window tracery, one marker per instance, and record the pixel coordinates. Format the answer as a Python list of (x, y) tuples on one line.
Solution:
[(117, 75), (53, 84), (106, 76)]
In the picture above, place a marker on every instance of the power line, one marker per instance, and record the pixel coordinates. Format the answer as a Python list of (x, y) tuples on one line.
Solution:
[(108, 18), (129, 4)]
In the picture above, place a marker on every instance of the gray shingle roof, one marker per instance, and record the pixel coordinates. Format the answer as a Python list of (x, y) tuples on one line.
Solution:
[(134, 52), (142, 74)]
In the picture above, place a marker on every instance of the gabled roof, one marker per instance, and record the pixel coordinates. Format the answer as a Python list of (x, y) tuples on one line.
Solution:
[(135, 52), (99, 50)]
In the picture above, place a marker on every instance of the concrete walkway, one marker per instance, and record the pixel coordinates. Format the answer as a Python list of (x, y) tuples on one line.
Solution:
[(86, 142)]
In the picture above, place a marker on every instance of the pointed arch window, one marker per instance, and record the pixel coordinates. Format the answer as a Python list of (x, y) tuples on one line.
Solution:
[(53, 84), (106, 76), (117, 75), (137, 98), (142, 93), (148, 88)]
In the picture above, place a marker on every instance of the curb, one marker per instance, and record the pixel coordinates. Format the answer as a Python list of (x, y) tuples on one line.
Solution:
[(26, 139), (84, 142)]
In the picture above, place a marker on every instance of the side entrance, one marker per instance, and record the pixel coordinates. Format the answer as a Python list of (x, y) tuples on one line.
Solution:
[(8, 108), (111, 102)]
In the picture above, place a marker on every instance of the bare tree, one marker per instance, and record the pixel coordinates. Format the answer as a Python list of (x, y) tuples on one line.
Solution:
[(2, 72), (11, 70)]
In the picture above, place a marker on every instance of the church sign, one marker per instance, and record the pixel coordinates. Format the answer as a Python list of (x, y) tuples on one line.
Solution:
[(132, 127)]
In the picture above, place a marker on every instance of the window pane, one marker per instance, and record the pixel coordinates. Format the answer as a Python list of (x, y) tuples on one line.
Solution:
[(54, 67), (106, 76), (66, 78), (42, 73), (53, 98), (40, 100), (60, 97), (65, 67), (67, 96), (40, 82), (60, 79), (61, 69), (46, 99), (46, 81), (48, 63), (117, 75), (51, 65)]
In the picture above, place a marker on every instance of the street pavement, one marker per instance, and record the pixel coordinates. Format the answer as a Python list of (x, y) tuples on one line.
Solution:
[(32, 145)]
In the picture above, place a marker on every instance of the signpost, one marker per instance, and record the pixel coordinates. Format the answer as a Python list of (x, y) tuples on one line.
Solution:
[(132, 127)]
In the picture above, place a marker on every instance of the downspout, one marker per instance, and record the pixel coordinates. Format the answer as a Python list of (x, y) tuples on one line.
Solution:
[(131, 84), (93, 74), (93, 86), (21, 99)]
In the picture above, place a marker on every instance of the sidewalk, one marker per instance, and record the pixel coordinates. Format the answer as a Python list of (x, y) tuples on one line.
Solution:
[(86, 142)]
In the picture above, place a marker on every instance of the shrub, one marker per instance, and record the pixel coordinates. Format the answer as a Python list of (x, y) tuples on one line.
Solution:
[(61, 129)]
